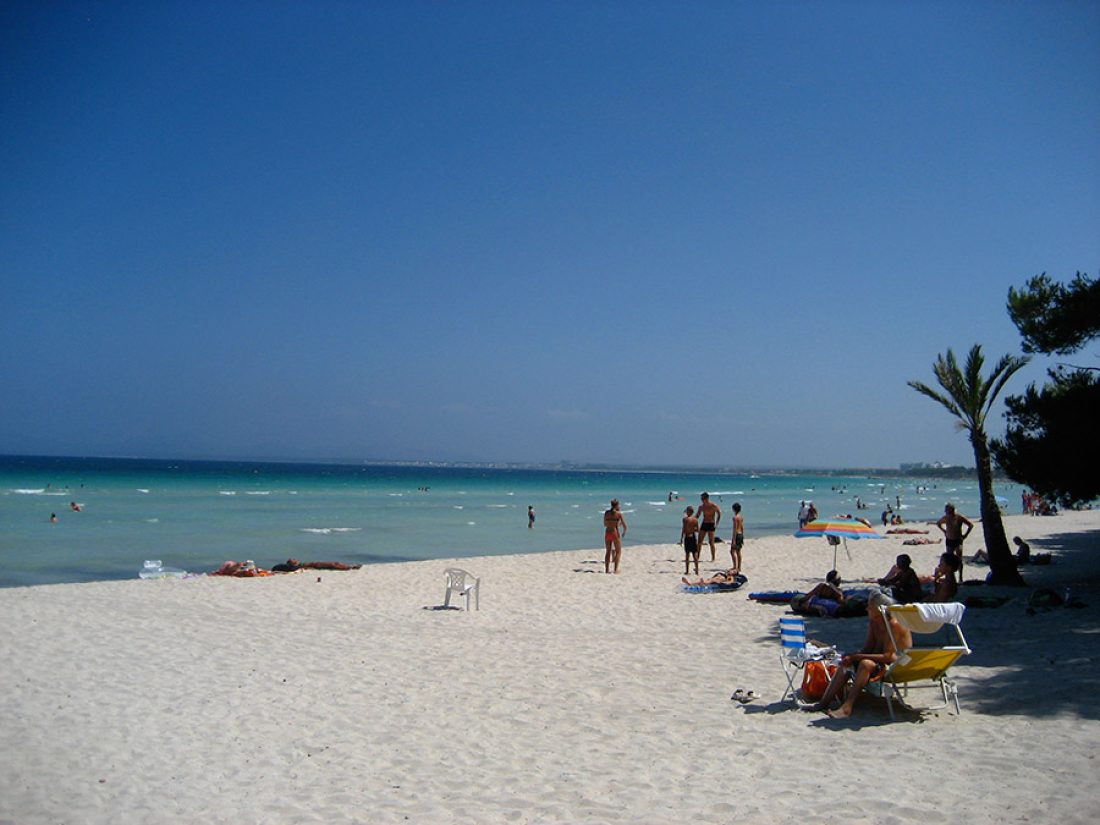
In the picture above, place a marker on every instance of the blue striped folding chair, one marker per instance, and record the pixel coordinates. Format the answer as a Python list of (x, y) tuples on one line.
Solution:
[(792, 640)]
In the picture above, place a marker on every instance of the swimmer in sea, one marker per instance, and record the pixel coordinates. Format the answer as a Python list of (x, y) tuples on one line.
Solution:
[(614, 528)]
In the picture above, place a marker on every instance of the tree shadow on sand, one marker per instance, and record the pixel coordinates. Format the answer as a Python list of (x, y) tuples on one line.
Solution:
[(1048, 661), (1042, 665)]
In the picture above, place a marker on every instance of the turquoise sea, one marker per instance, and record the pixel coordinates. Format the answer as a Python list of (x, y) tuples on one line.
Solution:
[(195, 515)]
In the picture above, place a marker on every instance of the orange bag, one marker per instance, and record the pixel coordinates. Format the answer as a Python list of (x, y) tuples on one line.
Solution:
[(815, 678)]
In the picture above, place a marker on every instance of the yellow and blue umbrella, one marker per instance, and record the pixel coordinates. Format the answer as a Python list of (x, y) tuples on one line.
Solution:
[(837, 530)]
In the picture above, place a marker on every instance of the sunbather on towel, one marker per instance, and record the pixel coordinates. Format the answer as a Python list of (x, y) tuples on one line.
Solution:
[(878, 653), (291, 565), (241, 570), (728, 577), (824, 600)]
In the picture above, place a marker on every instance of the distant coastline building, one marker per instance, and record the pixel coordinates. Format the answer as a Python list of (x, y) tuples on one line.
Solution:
[(922, 466)]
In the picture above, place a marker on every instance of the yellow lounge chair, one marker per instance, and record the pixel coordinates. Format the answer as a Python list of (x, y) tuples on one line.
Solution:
[(923, 664)]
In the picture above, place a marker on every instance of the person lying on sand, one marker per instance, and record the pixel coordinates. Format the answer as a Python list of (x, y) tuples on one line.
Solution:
[(728, 577), (878, 653), (241, 570), (291, 565), (824, 600)]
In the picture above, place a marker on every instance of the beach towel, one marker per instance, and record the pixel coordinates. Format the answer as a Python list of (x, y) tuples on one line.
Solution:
[(716, 588), (931, 617), (774, 596)]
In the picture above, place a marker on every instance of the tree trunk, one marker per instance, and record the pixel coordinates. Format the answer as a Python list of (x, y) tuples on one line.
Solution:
[(1002, 564)]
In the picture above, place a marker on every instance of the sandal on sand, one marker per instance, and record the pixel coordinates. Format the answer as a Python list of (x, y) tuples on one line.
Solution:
[(748, 697), (738, 695)]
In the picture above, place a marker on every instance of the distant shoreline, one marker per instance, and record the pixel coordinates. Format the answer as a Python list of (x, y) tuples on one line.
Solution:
[(828, 472)]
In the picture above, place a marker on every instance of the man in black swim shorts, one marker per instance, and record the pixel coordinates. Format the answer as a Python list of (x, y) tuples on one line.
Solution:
[(709, 516), (738, 536), (689, 539), (951, 524)]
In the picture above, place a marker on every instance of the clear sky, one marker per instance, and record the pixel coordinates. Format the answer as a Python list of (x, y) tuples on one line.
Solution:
[(646, 232)]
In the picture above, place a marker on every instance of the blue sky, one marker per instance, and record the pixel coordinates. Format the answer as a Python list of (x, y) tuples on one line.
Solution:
[(712, 233)]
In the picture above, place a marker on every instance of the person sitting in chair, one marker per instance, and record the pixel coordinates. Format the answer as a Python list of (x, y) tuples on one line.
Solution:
[(868, 665)]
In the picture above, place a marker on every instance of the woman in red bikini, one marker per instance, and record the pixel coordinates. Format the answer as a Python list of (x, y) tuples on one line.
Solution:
[(614, 528)]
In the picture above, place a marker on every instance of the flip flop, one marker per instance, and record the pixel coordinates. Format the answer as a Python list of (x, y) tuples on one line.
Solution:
[(738, 696), (748, 697)]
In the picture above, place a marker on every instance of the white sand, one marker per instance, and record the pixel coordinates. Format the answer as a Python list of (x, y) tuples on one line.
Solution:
[(570, 697)]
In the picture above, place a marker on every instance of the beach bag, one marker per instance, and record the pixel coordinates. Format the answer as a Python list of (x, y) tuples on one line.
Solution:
[(815, 678)]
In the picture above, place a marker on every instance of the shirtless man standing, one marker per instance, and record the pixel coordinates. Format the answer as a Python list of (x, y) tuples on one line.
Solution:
[(738, 537), (951, 524), (709, 516), (614, 528), (690, 540)]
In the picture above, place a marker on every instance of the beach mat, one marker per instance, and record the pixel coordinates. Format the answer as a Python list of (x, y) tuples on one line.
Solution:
[(739, 580)]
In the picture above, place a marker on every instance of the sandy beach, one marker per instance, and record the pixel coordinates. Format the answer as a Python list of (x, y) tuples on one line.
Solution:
[(571, 696)]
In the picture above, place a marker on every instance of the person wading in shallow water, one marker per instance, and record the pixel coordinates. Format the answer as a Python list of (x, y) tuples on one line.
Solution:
[(614, 528)]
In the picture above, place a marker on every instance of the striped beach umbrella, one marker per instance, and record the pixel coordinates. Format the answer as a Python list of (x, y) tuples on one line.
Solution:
[(837, 530)]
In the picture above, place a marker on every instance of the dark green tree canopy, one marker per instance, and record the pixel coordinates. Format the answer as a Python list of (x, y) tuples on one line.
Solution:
[(1050, 443), (1056, 318)]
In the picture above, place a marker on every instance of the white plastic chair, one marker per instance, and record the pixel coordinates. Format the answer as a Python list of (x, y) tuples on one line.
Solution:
[(462, 583)]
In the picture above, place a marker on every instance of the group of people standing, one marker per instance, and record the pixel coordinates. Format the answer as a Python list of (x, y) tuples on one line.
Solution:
[(696, 529), (701, 527)]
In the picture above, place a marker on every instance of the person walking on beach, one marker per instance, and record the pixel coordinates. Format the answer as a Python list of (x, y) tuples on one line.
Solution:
[(803, 515), (951, 525), (530, 516), (690, 540), (709, 516), (738, 537), (614, 528)]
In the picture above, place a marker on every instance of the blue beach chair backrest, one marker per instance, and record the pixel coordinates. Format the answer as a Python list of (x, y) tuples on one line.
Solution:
[(792, 633)]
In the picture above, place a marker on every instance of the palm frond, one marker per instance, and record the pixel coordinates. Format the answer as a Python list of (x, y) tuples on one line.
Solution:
[(967, 394), (938, 397)]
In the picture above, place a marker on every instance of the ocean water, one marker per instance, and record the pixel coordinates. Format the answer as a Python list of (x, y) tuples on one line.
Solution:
[(195, 515)]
